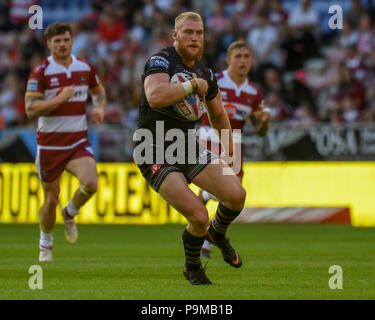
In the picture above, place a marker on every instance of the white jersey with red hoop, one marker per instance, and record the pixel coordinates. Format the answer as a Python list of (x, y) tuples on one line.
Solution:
[(239, 102), (66, 126)]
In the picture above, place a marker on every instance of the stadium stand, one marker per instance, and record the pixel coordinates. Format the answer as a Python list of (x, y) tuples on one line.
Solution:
[(329, 77)]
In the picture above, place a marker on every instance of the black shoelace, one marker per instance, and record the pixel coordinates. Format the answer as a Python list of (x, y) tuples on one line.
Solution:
[(202, 273)]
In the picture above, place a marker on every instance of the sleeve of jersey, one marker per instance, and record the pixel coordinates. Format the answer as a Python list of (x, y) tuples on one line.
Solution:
[(157, 63), (35, 83), (213, 89)]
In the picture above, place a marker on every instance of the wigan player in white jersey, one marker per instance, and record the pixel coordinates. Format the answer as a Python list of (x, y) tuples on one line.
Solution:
[(242, 101), (56, 94)]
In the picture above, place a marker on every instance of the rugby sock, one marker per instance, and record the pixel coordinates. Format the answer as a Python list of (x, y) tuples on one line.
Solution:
[(72, 209), (46, 240), (223, 218), (192, 247)]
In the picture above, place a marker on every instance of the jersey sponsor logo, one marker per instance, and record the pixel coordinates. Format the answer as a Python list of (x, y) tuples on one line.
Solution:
[(32, 85), (231, 110), (159, 62), (54, 82)]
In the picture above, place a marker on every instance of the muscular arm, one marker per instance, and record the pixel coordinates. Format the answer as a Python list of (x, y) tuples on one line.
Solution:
[(99, 97), (36, 107), (99, 103), (260, 120), (160, 92), (219, 120)]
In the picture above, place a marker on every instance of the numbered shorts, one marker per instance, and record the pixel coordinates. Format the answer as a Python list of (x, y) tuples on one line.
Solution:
[(52, 163)]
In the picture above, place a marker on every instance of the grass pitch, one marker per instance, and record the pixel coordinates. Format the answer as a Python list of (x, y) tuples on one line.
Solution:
[(145, 262)]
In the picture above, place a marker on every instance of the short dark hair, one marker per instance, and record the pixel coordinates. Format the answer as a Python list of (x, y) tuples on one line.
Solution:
[(57, 28)]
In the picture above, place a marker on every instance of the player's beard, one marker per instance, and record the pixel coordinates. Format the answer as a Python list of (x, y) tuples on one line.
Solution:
[(183, 50), (62, 54)]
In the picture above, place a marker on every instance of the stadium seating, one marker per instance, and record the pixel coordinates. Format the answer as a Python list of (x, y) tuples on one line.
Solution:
[(60, 10)]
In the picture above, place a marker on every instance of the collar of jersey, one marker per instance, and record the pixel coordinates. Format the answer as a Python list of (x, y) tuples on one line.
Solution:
[(66, 70), (238, 89)]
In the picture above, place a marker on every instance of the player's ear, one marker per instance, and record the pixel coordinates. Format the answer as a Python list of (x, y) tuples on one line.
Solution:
[(174, 34)]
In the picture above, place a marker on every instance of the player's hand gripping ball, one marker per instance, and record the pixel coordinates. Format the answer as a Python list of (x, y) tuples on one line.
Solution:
[(191, 107)]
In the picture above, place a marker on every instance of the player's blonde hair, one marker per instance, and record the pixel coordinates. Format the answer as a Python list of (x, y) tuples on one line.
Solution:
[(238, 44), (186, 15)]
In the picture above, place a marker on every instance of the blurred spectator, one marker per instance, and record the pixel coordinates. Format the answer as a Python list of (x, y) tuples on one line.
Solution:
[(348, 111), (347, 87), (11, 102), (304, 17), (355, 63), (204, 8), (277, 15), (348, 36), (138, 33), (229, 6), (4, 15), (118, 36), (273, 83), (114, 110), (111, 27), (31, 44), (355, 13), (279, 111), (366, 41), (82, 46), (304, 114), (263, 40), (218, 23), (244, 17), (299, 93), (301, 44), (19, 12)]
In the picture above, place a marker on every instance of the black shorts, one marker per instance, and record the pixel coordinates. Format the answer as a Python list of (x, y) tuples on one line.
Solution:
[(156, 173)]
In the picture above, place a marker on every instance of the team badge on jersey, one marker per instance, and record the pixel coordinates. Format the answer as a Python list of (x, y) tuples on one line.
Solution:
[(249, 100), (82, 79), (155, 168)]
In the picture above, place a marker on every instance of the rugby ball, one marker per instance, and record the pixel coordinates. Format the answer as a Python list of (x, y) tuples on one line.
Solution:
[(191, 107)]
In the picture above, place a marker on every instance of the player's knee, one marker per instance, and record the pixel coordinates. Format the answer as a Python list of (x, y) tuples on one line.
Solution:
[(200, 220), (237, 198), (51, 201), (89, 187)]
